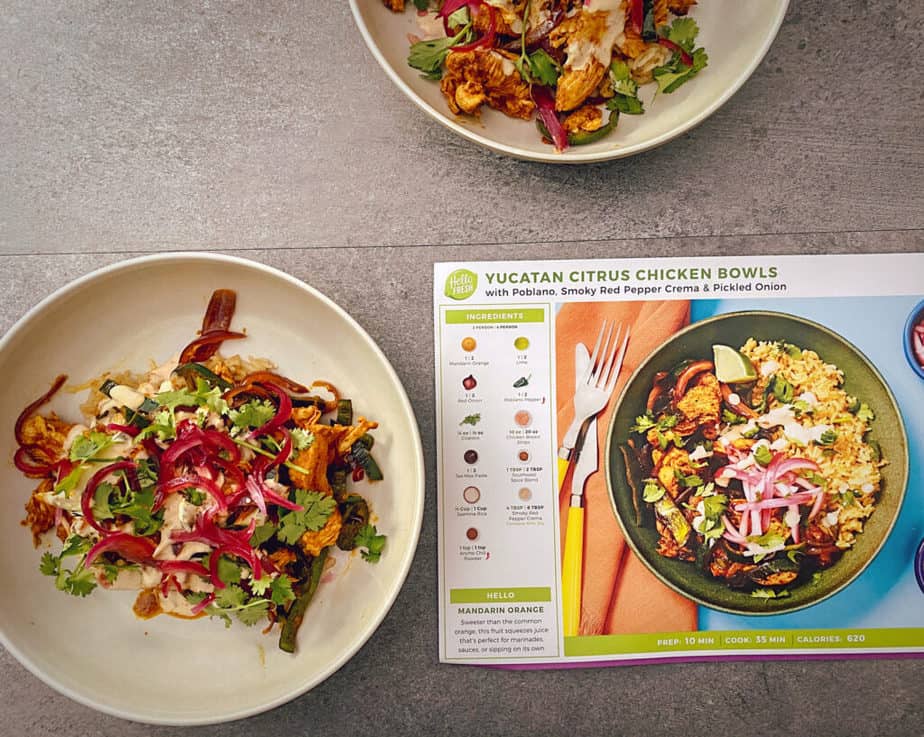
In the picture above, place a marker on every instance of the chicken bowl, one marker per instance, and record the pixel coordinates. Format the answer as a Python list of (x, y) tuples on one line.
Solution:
[(757, 462), (565, 82)]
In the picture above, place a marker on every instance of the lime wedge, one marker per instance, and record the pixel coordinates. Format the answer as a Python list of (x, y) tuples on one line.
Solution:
[(731, 366)]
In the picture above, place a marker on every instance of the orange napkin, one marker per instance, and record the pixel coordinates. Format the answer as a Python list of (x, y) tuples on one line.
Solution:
[(619, 594)]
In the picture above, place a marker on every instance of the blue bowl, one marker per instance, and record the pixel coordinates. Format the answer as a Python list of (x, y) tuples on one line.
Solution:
[(916, 316)]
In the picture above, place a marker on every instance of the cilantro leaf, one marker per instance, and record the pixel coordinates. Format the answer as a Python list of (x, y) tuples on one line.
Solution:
[(768, 540), (317, 508), (301, 439), (163, 426), (763, 455), (543, 68), (233, 599), (254, 612), (210, 398), (643, 423), (137, 505), (203, 396), (253, 414), (177, 398), (261, 534), (670, 76), (714, 506), (683, 32), (422, 4), (69, 482), (50, 564), (625, 104), (622, 79), (101, 508), (652, 491), (373, 543), (228, 570), (261, 585), (769, 594), (230, 597), (80, 582), (428, 56), (75, 545), (281, 592), (625, 99), (828, 437), (89, 445)]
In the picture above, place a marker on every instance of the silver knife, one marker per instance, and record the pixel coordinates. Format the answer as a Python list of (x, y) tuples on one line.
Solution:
[(587, 462)]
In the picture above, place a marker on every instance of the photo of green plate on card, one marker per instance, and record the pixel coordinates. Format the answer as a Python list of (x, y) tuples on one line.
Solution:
[(860, 380)]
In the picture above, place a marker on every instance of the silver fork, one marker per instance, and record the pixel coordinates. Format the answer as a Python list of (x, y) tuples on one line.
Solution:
[(594, 387)]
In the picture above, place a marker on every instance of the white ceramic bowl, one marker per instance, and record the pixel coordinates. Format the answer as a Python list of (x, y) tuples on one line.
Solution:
[(735, 33), (167, 670)]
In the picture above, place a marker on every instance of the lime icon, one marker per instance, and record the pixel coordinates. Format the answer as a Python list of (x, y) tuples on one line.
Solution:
[(521, 343), (732, 366)]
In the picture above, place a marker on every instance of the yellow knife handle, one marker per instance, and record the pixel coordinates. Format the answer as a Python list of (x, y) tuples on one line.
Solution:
[(563, 464), (571, 571)]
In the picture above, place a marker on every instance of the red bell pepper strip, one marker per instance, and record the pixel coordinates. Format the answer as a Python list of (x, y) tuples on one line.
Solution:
[(637, 14)]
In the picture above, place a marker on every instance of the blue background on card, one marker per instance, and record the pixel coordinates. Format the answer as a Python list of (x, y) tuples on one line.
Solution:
[(885, 594)]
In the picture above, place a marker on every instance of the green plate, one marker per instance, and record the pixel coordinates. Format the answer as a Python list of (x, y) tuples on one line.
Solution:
[(860, 379)]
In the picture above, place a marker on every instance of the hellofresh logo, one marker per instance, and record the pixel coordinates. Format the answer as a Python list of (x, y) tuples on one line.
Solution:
[(461, 284)]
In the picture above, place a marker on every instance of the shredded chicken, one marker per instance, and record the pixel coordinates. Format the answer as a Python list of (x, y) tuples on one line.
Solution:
[(584, 120), (313, 542), (40, 516), (702, 402), (576, 84), (317, 457), (680, 7), (674, 461), (659, 9), (43, 437), (478, 77)]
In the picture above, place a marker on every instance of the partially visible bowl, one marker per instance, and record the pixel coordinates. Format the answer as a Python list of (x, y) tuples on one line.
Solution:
[(735, 34), (167, 670), (915, 318), (861, 379)]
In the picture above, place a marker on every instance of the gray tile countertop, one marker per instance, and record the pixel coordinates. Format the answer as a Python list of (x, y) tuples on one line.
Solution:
[(268, 130)]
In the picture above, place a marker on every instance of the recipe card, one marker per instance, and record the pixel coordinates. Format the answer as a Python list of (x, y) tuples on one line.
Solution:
[(645, 459)]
